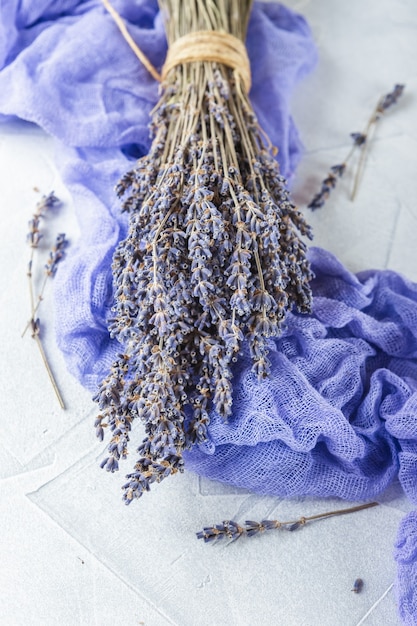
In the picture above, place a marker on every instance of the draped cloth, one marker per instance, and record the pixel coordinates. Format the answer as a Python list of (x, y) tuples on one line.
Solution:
[(338, 416)]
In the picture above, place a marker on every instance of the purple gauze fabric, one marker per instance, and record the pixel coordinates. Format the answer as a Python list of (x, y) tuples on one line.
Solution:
[(406, 557), (338, 416)]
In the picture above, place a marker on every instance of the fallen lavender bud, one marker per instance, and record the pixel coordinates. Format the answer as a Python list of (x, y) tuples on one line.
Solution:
[(357, 585), (338, 169)]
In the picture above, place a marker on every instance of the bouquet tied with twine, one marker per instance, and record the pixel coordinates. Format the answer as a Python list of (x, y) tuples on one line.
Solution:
[(213, 256)]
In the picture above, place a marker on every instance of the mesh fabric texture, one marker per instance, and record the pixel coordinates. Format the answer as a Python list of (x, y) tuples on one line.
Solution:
[(338, 416), (406, 557)]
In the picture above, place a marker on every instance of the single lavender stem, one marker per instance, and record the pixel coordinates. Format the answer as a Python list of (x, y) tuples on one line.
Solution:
[(36, 337), (350, 154), (55, 256), (31, 293), (371, 126), (383, 104), (34, 306), (362, 141), (233, 530), (352, 509)]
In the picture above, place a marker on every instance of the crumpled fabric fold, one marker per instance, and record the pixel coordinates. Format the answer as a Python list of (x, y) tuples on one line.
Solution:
[(338, 415), (406, 557)]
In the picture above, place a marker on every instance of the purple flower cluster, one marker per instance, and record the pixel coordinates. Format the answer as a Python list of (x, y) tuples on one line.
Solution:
[(233, 531), (213, 257), (390, 98), (56, 255), (46, 202)]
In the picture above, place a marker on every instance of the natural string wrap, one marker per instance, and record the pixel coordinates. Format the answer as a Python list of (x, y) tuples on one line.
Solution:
[(122, 27), (202, 45), (209, 45)]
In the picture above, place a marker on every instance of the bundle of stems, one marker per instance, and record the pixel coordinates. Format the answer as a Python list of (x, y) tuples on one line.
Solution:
[(213, 257)]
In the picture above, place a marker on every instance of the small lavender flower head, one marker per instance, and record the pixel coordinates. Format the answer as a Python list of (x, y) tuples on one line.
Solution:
[(339, 169), (34, 236), (390, 98), (47, 202), (357, 585), (358, 138), (227, 529), (329, 183), (36, 327), (56, 254)]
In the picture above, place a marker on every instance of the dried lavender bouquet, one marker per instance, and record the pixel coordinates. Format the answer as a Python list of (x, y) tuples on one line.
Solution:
[(213, 256)]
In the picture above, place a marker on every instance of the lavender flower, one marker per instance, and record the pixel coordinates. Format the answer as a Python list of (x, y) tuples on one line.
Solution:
[(357, 585), (227, 529), (45, 203), (56, 255), (329, 183), (231, 530), (213, 257), (390, 98), (34, 237), (253, 528), (358, 138), (383, 104), (360, 141)]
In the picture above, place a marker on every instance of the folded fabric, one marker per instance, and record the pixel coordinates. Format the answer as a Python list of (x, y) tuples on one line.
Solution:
[(406, 558), (338, 416), (65, 66)]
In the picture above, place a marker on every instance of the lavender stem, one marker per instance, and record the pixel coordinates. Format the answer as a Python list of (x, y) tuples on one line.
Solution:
[(38, 340), (34, 306), (232, 530), (368, 132)]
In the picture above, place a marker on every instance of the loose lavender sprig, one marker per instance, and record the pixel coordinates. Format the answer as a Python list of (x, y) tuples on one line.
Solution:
[(55, 255), (213, 257), (384, 103), (233, 531), (360, 142), (329, 183)]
